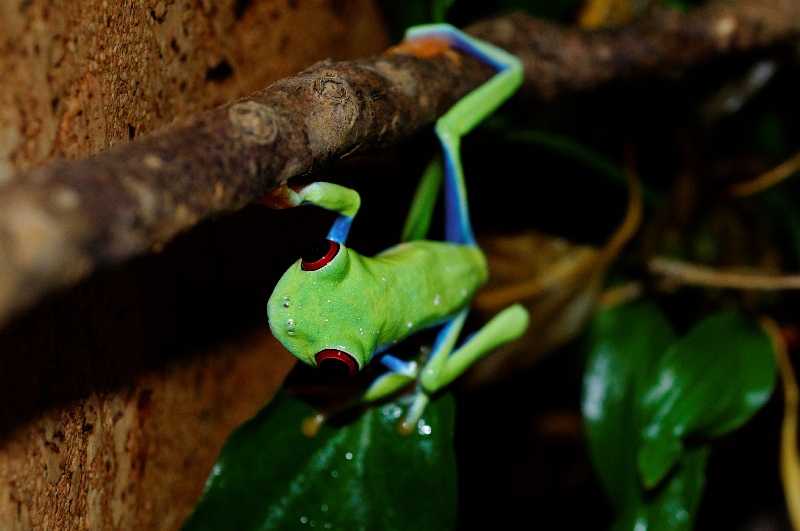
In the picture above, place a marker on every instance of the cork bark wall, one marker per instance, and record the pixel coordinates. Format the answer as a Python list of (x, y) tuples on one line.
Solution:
[(116, 395)]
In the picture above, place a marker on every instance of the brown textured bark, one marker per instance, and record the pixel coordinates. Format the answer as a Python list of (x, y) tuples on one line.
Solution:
[(558, 59), (115, 396)]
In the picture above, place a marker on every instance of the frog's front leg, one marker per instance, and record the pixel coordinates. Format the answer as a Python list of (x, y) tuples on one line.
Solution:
[(446, 364), (401, 373), (339, 199)]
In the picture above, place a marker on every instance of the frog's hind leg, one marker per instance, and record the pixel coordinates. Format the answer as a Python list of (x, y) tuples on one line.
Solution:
[(467, 113), (446, 364), (503, 328)]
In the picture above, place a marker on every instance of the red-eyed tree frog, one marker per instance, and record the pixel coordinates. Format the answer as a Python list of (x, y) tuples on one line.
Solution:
[(338, 310)]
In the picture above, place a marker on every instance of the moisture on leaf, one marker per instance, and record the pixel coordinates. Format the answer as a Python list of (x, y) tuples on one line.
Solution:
[(357, 475)]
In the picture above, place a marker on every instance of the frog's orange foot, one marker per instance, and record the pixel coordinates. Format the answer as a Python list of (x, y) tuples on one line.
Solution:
[(426, 48), (281, 197)]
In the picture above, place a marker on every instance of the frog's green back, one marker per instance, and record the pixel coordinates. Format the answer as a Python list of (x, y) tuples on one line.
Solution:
[(360, 305)]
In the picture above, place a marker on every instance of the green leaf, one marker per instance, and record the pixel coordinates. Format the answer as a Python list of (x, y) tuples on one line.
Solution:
[(673, 505), (627, 346), (707, 384), (624, 344), (362, 475)]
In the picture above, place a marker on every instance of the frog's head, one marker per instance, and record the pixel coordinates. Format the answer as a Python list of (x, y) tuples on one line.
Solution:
[(319, 310)]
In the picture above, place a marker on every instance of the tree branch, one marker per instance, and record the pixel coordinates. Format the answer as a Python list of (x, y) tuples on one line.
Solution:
[(60, 222), (559, 59)]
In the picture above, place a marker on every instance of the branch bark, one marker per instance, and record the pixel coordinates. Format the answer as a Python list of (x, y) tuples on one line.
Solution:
[(60, 222), (559, 59)]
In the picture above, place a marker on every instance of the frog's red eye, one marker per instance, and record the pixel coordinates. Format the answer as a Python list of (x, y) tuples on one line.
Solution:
[(336, 363), (318, 255)]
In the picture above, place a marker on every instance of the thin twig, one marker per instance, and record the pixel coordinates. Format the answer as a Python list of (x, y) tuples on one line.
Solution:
[(618, 295), (769, 178), (699, 275), (789, 453)]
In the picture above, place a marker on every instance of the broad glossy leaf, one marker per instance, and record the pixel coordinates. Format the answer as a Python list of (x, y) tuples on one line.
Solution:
[(673, 505), (625, 344), (707, 384), (362, 475)]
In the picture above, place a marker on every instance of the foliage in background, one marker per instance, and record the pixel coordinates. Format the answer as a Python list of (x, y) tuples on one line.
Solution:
[(653, 402)]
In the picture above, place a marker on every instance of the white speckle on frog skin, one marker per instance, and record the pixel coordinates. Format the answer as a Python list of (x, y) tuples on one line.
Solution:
[(361, 330), (437, 299), (410, 324), (463, 292), (383, 278)]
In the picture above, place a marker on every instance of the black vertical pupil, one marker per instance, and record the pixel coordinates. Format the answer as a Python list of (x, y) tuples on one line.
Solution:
[(316, 251), (335, 368)]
